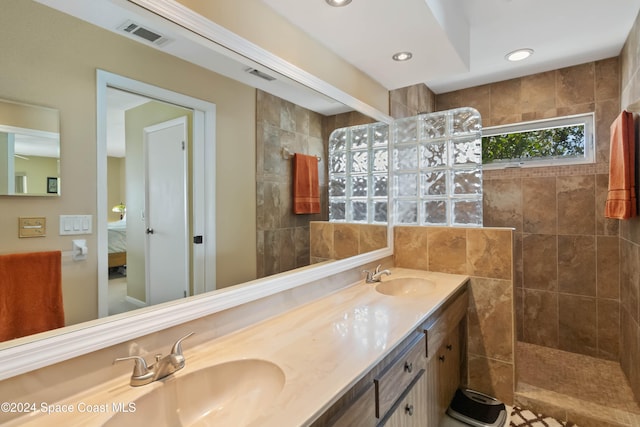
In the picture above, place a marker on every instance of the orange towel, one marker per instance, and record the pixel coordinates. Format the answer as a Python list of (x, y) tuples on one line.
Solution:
[(621, 199), (306, 193), (30, 294)]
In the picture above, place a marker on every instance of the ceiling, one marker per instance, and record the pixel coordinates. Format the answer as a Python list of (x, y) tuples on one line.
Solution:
[(462, 43)]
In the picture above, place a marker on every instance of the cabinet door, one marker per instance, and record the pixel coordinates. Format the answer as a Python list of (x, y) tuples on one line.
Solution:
[(443, 377), (411, 410), (360, 413), (449, 375)]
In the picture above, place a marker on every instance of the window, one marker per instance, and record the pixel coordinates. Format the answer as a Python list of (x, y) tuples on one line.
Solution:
[(562, 141)]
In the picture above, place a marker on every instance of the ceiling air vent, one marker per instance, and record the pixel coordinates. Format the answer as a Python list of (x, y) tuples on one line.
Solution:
[(144, 33), (260, 74)]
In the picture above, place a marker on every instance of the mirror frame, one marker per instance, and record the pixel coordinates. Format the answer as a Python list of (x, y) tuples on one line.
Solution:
[(26, 354)]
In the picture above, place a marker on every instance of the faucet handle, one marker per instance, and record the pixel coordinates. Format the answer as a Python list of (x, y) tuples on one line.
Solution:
[(177, 347), (140, 368)]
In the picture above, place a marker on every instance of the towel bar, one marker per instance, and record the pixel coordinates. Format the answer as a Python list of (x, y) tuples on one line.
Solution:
[(286, 154)]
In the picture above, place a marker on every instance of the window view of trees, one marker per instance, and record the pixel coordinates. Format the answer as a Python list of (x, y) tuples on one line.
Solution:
[(566, 141)]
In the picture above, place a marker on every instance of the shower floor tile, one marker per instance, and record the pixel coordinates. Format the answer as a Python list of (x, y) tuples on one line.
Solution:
[(569, 386)]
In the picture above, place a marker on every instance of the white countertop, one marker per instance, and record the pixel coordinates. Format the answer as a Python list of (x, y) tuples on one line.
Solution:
[(323, 348)]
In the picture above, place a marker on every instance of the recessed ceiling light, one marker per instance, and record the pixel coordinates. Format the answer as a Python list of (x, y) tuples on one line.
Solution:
[(402, 56), (338, 3), (519, 55)]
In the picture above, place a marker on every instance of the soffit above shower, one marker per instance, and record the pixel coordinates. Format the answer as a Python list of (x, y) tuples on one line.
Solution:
[(462, 43)]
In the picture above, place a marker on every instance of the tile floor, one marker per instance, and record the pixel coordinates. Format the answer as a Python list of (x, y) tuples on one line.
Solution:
[(587, 391)]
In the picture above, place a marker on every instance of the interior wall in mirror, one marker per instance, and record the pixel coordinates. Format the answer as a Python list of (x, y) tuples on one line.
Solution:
[(50, 59), (29, 150)]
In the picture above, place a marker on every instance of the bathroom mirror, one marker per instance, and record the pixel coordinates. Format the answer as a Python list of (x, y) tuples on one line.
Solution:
[(75, 43), (29, 150)]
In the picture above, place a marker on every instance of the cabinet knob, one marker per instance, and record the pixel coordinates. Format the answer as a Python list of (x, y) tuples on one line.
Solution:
[(441, 358), (408, 410), (408, 367), (449, 347)]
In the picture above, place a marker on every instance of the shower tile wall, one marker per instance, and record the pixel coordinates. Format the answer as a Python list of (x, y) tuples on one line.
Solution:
[(630, 229), (283, 237), (566, 257), (411, 100), (336, 240), (485, 254)]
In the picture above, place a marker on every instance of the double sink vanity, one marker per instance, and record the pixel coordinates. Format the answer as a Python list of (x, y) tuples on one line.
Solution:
[(382, 353)]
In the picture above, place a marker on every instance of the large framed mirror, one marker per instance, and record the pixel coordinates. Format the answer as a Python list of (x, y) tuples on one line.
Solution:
[(65, 76)]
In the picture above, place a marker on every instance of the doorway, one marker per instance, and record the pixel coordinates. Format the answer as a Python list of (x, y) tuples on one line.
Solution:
[(192, 269)]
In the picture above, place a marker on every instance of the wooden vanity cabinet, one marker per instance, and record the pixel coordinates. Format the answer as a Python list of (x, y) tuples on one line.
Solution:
[(410, 410), (446, 350), (415, 383)]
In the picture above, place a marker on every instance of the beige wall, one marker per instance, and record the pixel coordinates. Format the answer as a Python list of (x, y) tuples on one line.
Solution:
[(116, 179), (29, 117), (51, 60), (566, 283), (37, 169), (262, 26)]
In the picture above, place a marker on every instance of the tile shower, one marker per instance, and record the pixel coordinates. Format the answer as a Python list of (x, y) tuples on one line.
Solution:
[(571, 263)]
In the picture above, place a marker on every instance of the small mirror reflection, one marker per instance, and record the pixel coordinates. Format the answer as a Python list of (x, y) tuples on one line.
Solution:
[(29, 150)]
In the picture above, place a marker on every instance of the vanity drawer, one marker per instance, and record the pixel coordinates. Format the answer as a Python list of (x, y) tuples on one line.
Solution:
[(395, 378)]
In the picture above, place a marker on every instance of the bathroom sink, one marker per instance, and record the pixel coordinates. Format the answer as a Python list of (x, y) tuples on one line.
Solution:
[(231, 393), (405, 286)]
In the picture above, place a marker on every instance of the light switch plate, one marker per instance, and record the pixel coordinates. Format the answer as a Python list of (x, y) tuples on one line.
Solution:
[(32, 226), (75, 224)]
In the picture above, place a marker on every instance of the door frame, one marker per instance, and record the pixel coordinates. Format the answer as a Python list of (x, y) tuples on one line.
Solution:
[(204, 180)]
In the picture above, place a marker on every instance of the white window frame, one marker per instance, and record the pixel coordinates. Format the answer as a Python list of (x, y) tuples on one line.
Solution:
[(587, 120)]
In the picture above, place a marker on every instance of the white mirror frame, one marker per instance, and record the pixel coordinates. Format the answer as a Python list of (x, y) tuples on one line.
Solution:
[(25, 354)]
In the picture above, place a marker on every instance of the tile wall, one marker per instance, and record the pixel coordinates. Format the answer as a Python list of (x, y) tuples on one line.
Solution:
[(336, 240), (566, 253), (283, 237), (411, 100), (485, 254), (630, 229)]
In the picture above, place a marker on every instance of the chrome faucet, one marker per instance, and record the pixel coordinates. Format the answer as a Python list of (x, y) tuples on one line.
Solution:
[(376, 276), (164, 366)]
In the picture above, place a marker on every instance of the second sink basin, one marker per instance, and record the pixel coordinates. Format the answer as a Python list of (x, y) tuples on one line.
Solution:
[(405, 286), (227, 394)]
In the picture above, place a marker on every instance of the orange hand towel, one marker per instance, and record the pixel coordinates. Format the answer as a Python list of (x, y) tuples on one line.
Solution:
[(30, 294), (621, 199), (306, 193)]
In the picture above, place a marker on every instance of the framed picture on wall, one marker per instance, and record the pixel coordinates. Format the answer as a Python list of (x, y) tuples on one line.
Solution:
[(52, 184)]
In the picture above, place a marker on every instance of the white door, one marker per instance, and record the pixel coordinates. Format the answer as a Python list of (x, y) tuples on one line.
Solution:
[(166, 218)]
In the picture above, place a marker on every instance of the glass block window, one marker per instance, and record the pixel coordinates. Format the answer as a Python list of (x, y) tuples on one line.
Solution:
[(358, 174), (437, 168)]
